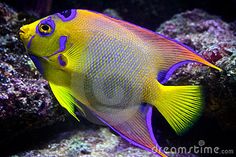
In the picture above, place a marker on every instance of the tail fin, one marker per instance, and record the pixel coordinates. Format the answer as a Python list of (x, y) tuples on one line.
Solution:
[(180, 105)]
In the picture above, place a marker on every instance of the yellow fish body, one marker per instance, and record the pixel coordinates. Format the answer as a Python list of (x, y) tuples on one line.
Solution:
[(113, 70)]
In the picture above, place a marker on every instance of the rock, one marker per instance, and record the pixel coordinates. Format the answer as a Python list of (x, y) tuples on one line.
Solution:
[(88, 141), (26, 101)]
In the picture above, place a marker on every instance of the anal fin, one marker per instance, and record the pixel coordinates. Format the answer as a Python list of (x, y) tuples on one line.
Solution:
[(134, 125)]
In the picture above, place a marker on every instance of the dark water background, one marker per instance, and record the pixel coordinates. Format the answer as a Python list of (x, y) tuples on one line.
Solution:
[(146, 13)]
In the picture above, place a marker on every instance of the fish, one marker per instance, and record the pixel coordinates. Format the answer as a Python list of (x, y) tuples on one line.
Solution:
[(114, 73)]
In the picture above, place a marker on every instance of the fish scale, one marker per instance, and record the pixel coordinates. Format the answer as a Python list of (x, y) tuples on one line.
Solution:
[(96, 55)]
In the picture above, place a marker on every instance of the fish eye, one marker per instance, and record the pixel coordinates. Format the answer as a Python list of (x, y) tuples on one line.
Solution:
[(46, 27)]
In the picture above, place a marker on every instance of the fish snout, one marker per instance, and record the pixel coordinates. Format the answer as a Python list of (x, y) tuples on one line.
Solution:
[(24, 32)]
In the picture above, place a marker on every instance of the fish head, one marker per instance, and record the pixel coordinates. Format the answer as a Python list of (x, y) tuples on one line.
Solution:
[(37, 35), (46, 41), (41, 38)]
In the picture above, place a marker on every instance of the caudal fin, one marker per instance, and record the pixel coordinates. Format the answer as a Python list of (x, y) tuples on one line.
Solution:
[(180, 105)]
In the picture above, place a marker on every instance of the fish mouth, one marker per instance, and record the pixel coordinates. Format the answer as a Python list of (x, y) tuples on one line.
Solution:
[(26, 36), (24, 33), (21, 32)]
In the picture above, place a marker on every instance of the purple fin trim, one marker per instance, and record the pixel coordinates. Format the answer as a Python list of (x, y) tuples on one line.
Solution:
[(149, 125), (49, 22), (62, 45), (36, 63), (30, 41), (171, 71), (161, 75), (67, 15), (148, 120)]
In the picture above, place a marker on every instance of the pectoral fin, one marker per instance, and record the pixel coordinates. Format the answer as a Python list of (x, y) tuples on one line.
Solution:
[(66, 99)]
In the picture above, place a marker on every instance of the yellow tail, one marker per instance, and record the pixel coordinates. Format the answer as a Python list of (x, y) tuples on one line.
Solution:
[(180, 105)]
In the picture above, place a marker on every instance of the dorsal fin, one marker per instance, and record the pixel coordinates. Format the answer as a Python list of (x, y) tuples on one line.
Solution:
[(170, 50)]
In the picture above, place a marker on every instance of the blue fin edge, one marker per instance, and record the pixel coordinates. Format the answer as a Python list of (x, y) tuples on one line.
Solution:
[(37, 63), (171, 70), (149, 125)]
